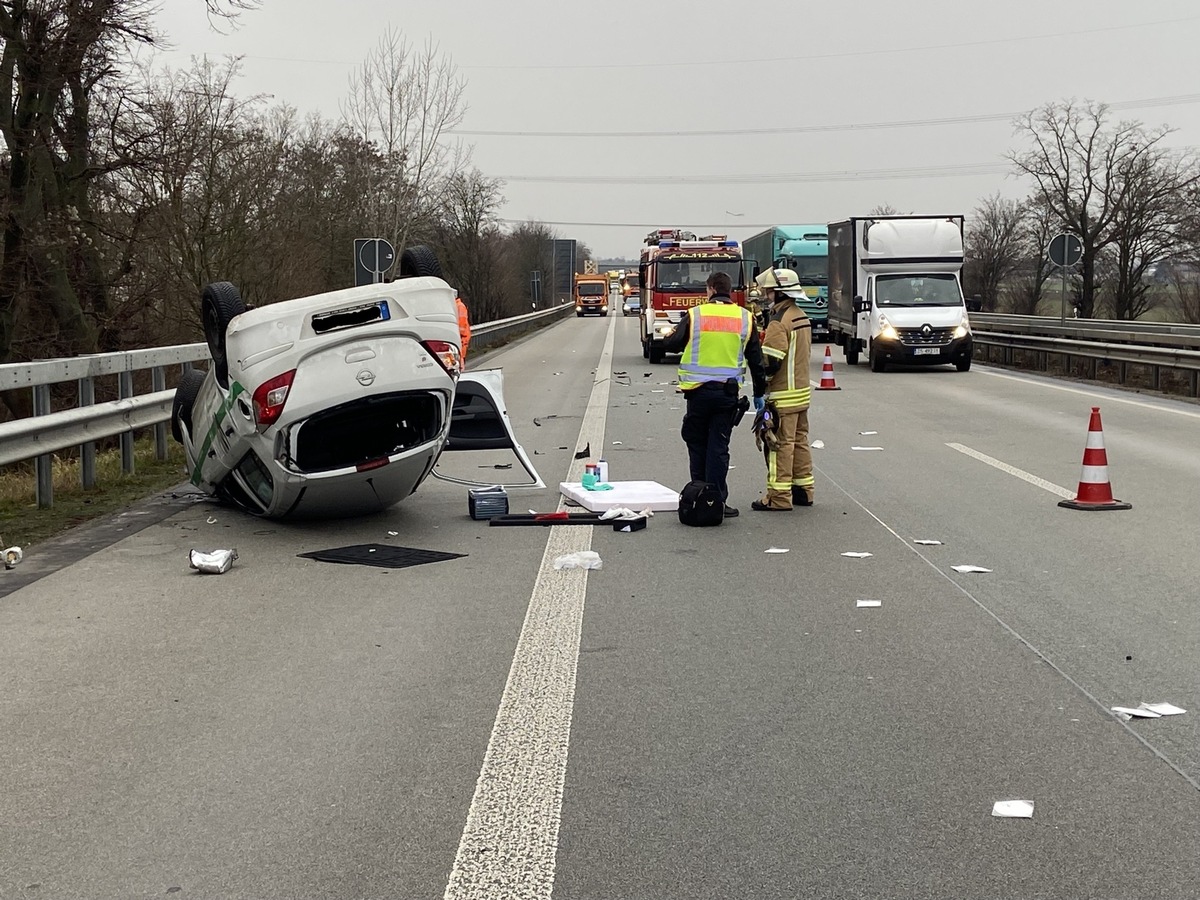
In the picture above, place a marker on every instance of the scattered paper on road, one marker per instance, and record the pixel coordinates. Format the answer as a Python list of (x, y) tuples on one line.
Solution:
[(927, 543), (817, 445), (776, 550), (1013, 809), (866, 448), (1164, 709), (1131, 712), (658, 391), (857, 554), (868, 604), (583, 559), (967, 570)]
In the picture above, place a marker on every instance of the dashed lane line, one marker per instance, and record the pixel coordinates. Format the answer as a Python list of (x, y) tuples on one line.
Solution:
[(1015, 472), (509, 845)]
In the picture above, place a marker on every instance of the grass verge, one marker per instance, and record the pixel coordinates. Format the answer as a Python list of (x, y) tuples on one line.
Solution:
[(23, 524)]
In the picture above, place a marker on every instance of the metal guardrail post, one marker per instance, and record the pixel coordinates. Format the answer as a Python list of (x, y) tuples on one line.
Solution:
[(87, 452), (158, 379), (45, 463), (125, 392)]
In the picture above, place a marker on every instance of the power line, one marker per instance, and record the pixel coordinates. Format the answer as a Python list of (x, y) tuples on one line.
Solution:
[(947, 171), (847, 53), (1174, 100)]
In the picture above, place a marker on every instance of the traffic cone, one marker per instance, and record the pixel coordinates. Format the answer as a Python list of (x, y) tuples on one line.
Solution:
[(1095, 491), (827, 382)]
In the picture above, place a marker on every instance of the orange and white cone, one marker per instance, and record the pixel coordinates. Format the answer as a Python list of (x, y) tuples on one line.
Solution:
[(1095, 490), (827, 382)]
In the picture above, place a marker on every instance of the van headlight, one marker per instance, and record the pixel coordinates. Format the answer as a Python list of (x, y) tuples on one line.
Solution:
[(962, 330), (887, 331)]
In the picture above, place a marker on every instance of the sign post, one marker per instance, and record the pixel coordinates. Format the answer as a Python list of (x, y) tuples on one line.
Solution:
[(1065, 252), (372, 258)]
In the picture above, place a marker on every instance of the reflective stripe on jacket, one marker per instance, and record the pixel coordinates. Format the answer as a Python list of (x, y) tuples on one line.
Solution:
[(717, 348), (789, 340)]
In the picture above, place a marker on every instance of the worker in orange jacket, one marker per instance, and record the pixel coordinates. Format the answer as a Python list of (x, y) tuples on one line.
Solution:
[(464, 328)]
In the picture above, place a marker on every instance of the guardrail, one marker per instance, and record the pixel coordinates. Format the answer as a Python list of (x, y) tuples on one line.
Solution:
[(1034, 341), (46, 432)]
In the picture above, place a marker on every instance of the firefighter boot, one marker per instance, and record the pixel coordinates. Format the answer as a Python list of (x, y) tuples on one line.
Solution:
[(800, 497)]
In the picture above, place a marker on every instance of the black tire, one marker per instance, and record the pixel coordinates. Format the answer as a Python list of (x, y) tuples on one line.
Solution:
[(219, 305), (963, 365), (185, 400), (419, 262), (645, 348), (878, 363), (656, 354), (851, 355), (579, 315)]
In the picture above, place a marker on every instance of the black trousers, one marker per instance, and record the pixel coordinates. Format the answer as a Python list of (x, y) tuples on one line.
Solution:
[(707, 428)]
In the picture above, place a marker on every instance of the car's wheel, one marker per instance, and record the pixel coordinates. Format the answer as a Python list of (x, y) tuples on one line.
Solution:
[(418, 262), (878, 364), (185, 400), (579, 315), (219, 305), (963, 365)]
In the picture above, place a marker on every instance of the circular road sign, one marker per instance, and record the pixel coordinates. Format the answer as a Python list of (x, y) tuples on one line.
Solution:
[(376, 255), (1065, 250)]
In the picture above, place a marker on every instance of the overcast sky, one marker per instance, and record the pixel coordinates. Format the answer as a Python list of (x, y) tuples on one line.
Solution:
[(706, 66)]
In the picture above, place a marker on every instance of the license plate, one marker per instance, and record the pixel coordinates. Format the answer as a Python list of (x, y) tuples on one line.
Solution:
[(927, 351)]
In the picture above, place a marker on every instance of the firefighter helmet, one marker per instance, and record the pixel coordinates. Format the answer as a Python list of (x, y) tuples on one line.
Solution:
[(783, 280)]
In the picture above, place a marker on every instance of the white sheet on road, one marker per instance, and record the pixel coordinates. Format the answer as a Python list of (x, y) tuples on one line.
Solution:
[(633, 494)]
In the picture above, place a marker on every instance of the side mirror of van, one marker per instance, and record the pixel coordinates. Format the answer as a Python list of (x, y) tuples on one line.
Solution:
[(860, 305), (975, 304)]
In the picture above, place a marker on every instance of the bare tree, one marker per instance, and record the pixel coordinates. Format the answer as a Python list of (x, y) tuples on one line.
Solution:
[(1024, 292), (994, 247), (884, 209), (404, 101), (1076, 161), (469, 244)]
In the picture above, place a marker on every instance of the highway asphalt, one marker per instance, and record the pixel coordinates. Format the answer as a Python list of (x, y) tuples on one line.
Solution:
[(696, 719)]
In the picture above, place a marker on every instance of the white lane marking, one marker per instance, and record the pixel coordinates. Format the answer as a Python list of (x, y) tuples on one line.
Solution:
[(510, 841), (1015, 472), (1094, 394)]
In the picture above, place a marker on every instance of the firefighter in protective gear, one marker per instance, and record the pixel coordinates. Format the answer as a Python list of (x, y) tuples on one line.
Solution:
[(464, 328), (787, 344), (718, 342)]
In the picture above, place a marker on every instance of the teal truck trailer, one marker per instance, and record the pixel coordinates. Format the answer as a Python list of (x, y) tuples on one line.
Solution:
[(805, 250)]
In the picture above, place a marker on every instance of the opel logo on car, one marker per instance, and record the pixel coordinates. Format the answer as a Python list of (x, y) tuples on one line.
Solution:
[(365, 377)]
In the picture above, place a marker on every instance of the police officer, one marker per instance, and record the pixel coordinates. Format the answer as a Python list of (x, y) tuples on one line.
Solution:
[(718, 340), (787, 344)]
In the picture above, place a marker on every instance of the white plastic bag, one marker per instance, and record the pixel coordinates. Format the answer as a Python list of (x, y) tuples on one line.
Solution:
[(583, 559), (212, 562)]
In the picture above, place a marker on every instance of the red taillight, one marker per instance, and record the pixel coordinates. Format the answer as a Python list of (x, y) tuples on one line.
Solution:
[(270, 396), (445, 353)]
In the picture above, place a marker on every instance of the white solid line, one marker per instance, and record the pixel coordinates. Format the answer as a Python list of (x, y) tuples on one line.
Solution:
[(508, 846), (1014, 471), (1143, 403)]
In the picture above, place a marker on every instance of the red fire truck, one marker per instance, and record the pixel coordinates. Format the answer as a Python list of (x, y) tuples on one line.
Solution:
[(674, 267)]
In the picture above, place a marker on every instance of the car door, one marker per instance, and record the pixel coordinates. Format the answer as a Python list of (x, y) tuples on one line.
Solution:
[(479, 421)]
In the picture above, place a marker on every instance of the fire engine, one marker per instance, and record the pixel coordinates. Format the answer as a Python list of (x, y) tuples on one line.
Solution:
[(674, 267)]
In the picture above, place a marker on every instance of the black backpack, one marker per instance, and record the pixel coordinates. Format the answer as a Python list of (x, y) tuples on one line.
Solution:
[(700, 504)]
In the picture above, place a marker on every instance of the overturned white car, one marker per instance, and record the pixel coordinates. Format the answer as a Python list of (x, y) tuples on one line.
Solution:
[(336, 404)]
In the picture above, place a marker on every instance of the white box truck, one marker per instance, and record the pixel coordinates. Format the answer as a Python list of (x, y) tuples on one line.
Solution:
[(894, 290)]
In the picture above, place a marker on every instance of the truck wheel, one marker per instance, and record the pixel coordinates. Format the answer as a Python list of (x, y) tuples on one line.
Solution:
[(645, 348), (656, 354), (877, 361), (185, 400), (219, 305), (418, 262), (851, 355), (963, 365)]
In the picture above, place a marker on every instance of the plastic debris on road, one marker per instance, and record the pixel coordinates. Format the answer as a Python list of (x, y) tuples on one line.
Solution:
[(866, 448), (624, 512), (1147, 711), (857, 554), (12, 557), (616, 443), (1164, 709), (212, 520), (776, 550), (583, 559), (868, 432), (927, 543), (968, 570), (817, 445), (868, 604), (212, 562), (1013, 809)]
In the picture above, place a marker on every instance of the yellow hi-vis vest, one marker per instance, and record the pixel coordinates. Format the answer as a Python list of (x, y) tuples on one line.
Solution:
[(716, 350)]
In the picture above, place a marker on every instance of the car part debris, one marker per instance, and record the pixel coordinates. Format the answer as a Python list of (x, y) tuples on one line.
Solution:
[(583, 559), (777, 550), (12, 557), (868, 604), (866, 448), (585, 452), (484, 503), (212, 520), (817, 445), (868, 432), (539, 419), (212, 562), (968, 570), (927, 543), (857, 554), (1164, 709), (1013, 809), (498, 466), (381, 555)]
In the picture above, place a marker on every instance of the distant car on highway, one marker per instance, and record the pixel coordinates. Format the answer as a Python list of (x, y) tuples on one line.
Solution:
[(335, 404), (632, 305)]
